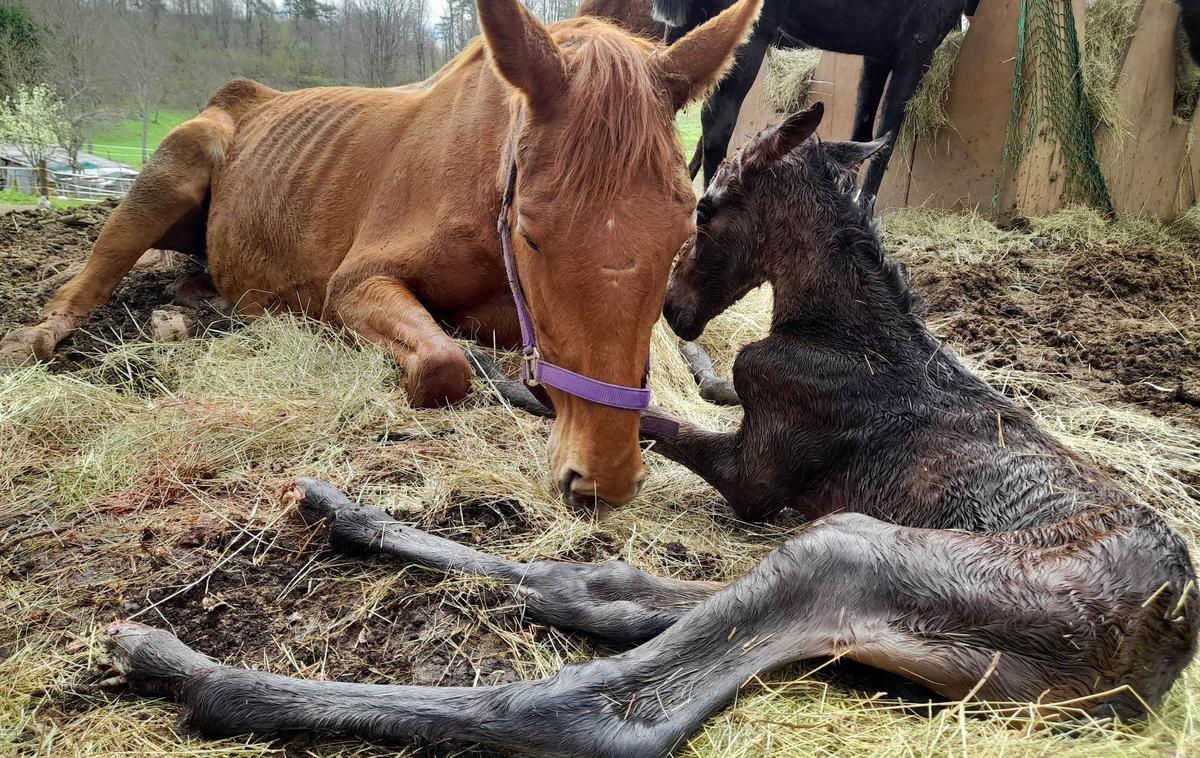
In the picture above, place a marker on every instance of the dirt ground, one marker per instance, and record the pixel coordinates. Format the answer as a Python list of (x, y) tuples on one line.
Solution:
[(1122, 321)]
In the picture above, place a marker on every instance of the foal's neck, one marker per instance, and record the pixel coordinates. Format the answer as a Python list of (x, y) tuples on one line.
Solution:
[(834, 287)]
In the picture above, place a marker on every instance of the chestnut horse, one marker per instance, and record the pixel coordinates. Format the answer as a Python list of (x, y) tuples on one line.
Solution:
[(377, 210)]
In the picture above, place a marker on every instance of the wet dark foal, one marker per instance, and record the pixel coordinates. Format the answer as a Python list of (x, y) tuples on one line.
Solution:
[(953, 541), (895, 37)]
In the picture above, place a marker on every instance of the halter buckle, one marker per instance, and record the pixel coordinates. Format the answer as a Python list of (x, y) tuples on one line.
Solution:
[(531, 367)]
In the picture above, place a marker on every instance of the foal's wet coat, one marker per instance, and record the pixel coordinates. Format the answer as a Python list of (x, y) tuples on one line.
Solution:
[(953, 541)]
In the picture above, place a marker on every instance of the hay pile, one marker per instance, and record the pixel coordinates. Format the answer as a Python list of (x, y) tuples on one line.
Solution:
[(147, 484), (790, 77), (925, 114)]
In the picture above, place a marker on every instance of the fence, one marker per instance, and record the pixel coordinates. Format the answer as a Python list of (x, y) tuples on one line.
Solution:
[(92, 187)]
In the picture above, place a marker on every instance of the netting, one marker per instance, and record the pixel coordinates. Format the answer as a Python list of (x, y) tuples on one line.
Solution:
[(1048, 99)]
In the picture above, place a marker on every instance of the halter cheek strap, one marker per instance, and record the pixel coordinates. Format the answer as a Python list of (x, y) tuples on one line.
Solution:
[(536, 371)]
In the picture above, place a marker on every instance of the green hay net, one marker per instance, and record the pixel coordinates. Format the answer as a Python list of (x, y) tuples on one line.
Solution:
[(1049, 98)]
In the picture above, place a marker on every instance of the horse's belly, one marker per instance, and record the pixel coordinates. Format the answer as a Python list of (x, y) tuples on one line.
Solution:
[(287, 199)]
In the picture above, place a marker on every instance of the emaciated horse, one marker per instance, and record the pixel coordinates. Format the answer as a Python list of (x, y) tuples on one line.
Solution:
[(954, 541), (377, 210), (896, 38)]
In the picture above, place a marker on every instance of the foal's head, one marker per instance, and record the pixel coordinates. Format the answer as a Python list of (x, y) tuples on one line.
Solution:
[(768, 214), (602, 203)]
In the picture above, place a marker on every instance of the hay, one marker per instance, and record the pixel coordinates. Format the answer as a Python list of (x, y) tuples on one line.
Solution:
[(1110, 26), (160, 437), (925, 114), (790, 78)]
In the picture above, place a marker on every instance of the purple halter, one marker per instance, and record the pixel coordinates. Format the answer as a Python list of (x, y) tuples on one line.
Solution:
[(535, 371)]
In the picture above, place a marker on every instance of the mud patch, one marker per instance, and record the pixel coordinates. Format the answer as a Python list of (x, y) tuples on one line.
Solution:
[(39, 252), (1122, 320)]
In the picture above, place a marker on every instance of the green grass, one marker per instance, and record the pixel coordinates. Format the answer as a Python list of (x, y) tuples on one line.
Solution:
[(122, 141), (9, 197), (687, 123)]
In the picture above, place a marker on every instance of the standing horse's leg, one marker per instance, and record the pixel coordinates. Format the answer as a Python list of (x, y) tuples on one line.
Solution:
[(870, 89), (384, 310), (612, 600), (170, 190), (960, 612), (720, 113), (906, 77)]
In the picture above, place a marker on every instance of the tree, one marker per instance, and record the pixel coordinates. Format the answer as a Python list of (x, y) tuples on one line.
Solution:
[(20, 46), (31, 120), (144, 67)]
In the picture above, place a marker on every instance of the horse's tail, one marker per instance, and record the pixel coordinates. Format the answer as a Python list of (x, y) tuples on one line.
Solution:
[(672, 12)]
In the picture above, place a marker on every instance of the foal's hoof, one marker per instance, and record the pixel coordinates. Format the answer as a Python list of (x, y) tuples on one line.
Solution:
[(720, 393), (153, 659), (316, 500)]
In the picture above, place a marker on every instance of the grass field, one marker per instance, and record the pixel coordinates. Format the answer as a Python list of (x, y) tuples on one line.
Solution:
[(122, 141), (10, 199)]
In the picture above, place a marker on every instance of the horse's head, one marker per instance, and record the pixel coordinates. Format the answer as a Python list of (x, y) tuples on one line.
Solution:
[(747, 221), (601, 204)]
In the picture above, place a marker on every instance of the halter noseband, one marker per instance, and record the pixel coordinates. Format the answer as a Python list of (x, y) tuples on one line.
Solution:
[(536, 371)]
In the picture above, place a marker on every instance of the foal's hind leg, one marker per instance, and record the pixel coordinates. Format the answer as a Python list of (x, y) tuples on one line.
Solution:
[(170, 191), (611, 600), (712, 388), (644, 702)]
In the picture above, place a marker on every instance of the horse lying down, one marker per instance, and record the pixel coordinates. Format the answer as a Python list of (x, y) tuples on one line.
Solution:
[(953, 542)]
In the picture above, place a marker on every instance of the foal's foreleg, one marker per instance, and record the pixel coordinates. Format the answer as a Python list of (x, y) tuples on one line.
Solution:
[(611, 600)]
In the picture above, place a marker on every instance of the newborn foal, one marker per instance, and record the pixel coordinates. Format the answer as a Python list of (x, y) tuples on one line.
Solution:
[(953, 542)]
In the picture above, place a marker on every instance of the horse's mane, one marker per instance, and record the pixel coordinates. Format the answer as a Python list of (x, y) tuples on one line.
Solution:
[(618, 123)]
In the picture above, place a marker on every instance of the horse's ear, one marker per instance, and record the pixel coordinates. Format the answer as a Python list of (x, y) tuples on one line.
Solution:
[(523, 52), (778, 141), (854, 154), (693, 65)]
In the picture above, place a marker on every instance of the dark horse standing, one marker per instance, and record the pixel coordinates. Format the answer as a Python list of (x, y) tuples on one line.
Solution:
[(953, 542), (896, 37)]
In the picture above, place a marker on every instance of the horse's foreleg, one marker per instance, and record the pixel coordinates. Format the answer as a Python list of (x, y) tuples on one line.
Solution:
[(870, 90), (385, 311), (644, 702), (712, 388), (906, 77), (610, 600), (719, 116), (169, 191)]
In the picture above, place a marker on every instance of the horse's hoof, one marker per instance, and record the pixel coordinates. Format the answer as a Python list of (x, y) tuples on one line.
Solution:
[(438, 378), (27, 345), (316, 500)]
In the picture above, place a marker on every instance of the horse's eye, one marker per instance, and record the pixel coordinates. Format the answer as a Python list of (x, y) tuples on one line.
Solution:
[(529, 240), (705, 210)]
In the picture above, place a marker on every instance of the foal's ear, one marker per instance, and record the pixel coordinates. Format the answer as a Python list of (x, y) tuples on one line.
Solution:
[(778, 141), (523, 52), (693, 65), (853, 154)]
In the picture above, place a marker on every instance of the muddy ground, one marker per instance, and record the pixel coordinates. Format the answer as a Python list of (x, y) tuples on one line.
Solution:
[(1123, 321)]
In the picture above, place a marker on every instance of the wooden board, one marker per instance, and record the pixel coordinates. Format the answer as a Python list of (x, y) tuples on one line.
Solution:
[(958, 167), (1144, 166), (835, 84), (756, 114)]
